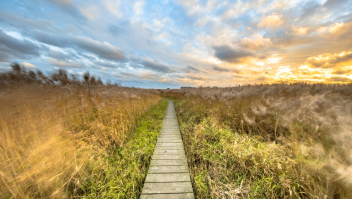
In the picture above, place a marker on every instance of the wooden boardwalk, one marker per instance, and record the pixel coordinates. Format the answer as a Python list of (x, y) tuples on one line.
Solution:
[(168, 174)]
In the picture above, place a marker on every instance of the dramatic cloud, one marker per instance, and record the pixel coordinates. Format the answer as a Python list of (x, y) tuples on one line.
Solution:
[(28, 65), (11, 47), (218, 68), (182, 43), (67, 7), (65, 64), (256, 43), (156, 66), (226, 53), (101, 49), (190, 68), (272, 21), (331, 60)]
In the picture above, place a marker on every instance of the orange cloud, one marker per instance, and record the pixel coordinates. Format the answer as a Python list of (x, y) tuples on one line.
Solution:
[(339, 79), (256, 43), (328, 60), (271, 21), (300, 30)]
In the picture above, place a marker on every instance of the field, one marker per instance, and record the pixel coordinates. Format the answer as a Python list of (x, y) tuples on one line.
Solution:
[(60, 136), (267, 141), (63, 136)]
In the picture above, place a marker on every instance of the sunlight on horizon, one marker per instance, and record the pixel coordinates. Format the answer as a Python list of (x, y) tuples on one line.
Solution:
[(181, 43)]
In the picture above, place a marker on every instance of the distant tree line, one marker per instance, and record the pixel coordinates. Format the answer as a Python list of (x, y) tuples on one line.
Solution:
[(21, 75)]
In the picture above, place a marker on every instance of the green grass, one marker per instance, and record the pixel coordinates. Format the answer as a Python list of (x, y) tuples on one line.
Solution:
[(120, 172), (226, 163)]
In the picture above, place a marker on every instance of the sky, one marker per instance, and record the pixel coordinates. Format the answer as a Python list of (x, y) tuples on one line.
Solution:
[(168, 44)]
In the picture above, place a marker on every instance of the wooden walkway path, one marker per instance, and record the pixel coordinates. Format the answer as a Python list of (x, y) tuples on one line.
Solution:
[(168, 174)]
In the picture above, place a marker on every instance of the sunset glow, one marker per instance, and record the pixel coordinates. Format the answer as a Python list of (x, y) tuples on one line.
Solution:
[(168, 44)]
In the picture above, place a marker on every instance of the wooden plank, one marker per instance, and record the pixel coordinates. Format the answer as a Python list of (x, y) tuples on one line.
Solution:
[(169, 134), (169, 140), (168, 144), (168, 157), (168, 196), (177, 152), (168, 162), (175, 134), (168, 174), (167, 188), (168, 177), (168, 169), (170, 148), (164, 136)]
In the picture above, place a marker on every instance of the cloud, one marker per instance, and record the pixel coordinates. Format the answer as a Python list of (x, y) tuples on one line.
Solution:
[(341, 71), (108, 64), (103, 50), (117, 29), (226, 53), (190, 68), (68, 55), (186, 41), (11, 47), (271, 21), (51, 39), (339, 79), (156, 66), (300, 30), (220, 69), (256, 43), (329, 60), (65, 64), (67, 7), (28, 65), (114, 7), (197, 77)]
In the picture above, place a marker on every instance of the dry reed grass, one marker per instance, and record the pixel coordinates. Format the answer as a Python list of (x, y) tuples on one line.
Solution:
[(273, 141), (51, 129)]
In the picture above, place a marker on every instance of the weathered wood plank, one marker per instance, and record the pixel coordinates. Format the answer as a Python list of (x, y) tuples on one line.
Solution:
[(171, 148), (173, 187), (168, 174), (168, 157), (176, 152), (168, 144), (168, 169), (169, 140), (168, 162), (168, 177), (177, 137), (168, 196), (169, 133)]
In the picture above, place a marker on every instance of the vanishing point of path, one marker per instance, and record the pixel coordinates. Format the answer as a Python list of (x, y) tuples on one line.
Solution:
[(168, 174)]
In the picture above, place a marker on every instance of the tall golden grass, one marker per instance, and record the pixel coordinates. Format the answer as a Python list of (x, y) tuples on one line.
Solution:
[(271, 141), (52, 127)]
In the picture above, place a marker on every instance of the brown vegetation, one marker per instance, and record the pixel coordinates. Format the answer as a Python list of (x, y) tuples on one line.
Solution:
[(53, 127), (268, 141)]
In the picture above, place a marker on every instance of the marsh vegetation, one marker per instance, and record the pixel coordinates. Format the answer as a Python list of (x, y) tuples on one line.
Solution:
[(268, 141), (62, 136), (59, 132)]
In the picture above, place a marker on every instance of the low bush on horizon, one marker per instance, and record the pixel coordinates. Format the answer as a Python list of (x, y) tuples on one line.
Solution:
[(267, 141), (55, 130)]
